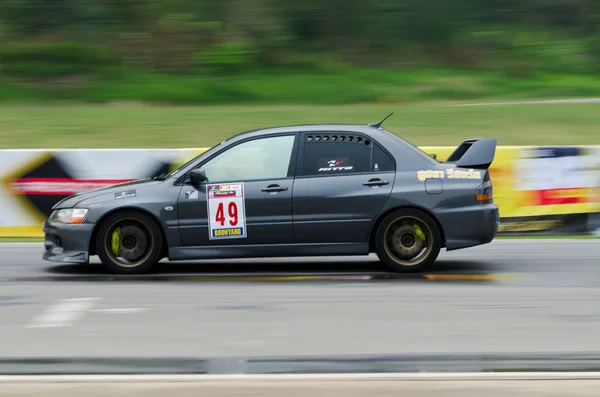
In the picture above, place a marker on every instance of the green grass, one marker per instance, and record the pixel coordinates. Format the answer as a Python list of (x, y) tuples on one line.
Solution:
[(21, 240), (432, 123), (332, 86), (125, 108), (318, 83)]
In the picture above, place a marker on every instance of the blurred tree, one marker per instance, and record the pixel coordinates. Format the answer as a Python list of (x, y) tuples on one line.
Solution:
[(173, 35)]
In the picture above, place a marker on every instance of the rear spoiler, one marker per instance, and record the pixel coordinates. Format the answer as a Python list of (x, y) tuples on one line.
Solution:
[(475, 153)]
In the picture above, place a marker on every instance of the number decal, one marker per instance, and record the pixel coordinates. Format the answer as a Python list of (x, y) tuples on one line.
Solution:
[(233, 213), (226, 210), (220, 218)]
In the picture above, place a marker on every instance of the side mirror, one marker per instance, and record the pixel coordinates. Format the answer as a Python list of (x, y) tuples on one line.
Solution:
[(197, 176)]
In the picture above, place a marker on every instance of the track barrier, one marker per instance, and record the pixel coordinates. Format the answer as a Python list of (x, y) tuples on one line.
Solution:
[(540, 190)]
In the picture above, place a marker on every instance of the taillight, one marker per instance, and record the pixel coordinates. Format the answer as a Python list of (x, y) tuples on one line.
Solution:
[(485, 193)]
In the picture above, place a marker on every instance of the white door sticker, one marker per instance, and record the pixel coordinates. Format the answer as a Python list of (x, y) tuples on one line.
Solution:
[(227, 210)]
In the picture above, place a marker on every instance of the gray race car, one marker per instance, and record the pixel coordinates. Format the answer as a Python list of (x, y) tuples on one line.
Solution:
[(310, 190)]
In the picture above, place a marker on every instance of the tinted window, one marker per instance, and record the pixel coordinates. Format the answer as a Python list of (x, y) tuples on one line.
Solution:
[(264, 158), (381, 160), (335, 154)]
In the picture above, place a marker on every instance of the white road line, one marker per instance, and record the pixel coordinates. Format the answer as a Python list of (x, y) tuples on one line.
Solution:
[(21, 245), (546, 102), (63, 313), (428, 377), (124, 310), (101, 150)]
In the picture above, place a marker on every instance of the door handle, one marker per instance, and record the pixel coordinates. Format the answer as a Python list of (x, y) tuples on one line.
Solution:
[(274, 188), (375, 182)]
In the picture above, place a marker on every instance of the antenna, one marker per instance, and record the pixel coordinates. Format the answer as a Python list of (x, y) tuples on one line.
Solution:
[(377, 125)]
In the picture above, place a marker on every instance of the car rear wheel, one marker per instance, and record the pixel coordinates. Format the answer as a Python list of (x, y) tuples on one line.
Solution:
[(408, 240), (129, 242)]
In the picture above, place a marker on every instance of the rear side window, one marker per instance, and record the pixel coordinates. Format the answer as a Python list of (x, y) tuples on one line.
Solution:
[(333, 154), (382, 161)]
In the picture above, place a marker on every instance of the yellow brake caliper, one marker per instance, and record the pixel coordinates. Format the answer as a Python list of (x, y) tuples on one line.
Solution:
[(115, 242), (419, 232)]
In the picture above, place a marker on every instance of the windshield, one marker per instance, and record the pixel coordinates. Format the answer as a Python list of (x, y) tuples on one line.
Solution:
[(184, 166)]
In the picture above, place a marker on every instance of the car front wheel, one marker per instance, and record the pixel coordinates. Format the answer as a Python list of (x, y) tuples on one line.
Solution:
[(408, 240), (129, 242)]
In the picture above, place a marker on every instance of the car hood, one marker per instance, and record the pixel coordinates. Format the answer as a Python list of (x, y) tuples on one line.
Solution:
[(78, 197)]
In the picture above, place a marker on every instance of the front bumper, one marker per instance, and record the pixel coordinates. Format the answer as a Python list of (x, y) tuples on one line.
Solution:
[(67, 243), (469, 226)]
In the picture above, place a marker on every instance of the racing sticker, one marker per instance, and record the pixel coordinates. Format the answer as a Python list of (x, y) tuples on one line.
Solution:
[(335, 164), (430, 174), (458, 174), (125, 194), (191, 195), (450, 174), (227, 210)]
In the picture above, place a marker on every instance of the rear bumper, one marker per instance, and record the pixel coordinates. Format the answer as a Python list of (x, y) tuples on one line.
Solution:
[(67, 243), (469, 226)]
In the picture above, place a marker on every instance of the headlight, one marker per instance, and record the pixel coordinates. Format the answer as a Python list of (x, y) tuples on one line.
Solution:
[(69, 215)]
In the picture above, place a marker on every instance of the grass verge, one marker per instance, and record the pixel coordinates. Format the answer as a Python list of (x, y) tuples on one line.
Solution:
[(324, 83), (146, 126), (21, 240)]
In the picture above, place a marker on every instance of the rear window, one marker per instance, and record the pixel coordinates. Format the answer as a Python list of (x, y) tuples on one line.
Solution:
[(331, 154), (410, 144)]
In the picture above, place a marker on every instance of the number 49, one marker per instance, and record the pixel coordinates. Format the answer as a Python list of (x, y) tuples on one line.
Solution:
[(232, 211)]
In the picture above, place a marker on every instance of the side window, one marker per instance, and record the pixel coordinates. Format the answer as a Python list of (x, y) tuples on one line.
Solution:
[(331, 154), (382, 161), (263, 158)]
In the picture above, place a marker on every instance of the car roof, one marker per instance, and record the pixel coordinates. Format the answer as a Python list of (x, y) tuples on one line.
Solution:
[(402, 150), (356, 128), (380, 134)]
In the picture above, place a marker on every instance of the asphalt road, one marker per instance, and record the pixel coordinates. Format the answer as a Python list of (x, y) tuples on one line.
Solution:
[(508, 296)]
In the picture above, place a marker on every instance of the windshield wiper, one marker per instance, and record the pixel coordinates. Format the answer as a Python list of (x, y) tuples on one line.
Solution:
[(160, 177)]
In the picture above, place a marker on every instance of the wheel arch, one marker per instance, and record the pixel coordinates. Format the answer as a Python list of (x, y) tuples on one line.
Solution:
[(379, 219), (92, 243)]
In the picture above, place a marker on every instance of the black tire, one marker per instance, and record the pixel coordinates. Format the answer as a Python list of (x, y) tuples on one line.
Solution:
[(399, 227), (140, 241)]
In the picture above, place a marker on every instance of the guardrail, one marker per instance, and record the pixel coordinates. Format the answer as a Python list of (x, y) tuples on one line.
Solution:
[(548, 190)]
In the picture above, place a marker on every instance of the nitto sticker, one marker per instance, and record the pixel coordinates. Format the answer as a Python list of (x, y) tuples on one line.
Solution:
[(191, 195), (342, 164), (125, 194), (227, 210)]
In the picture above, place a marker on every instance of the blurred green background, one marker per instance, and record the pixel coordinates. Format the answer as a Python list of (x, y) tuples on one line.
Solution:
[(242, 55)]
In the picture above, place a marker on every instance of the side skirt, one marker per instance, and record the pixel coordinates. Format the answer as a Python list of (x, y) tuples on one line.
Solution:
[(267, 251)]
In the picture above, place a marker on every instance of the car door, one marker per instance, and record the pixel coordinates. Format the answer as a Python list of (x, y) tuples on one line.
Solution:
[(342, 182), (247, 198)]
